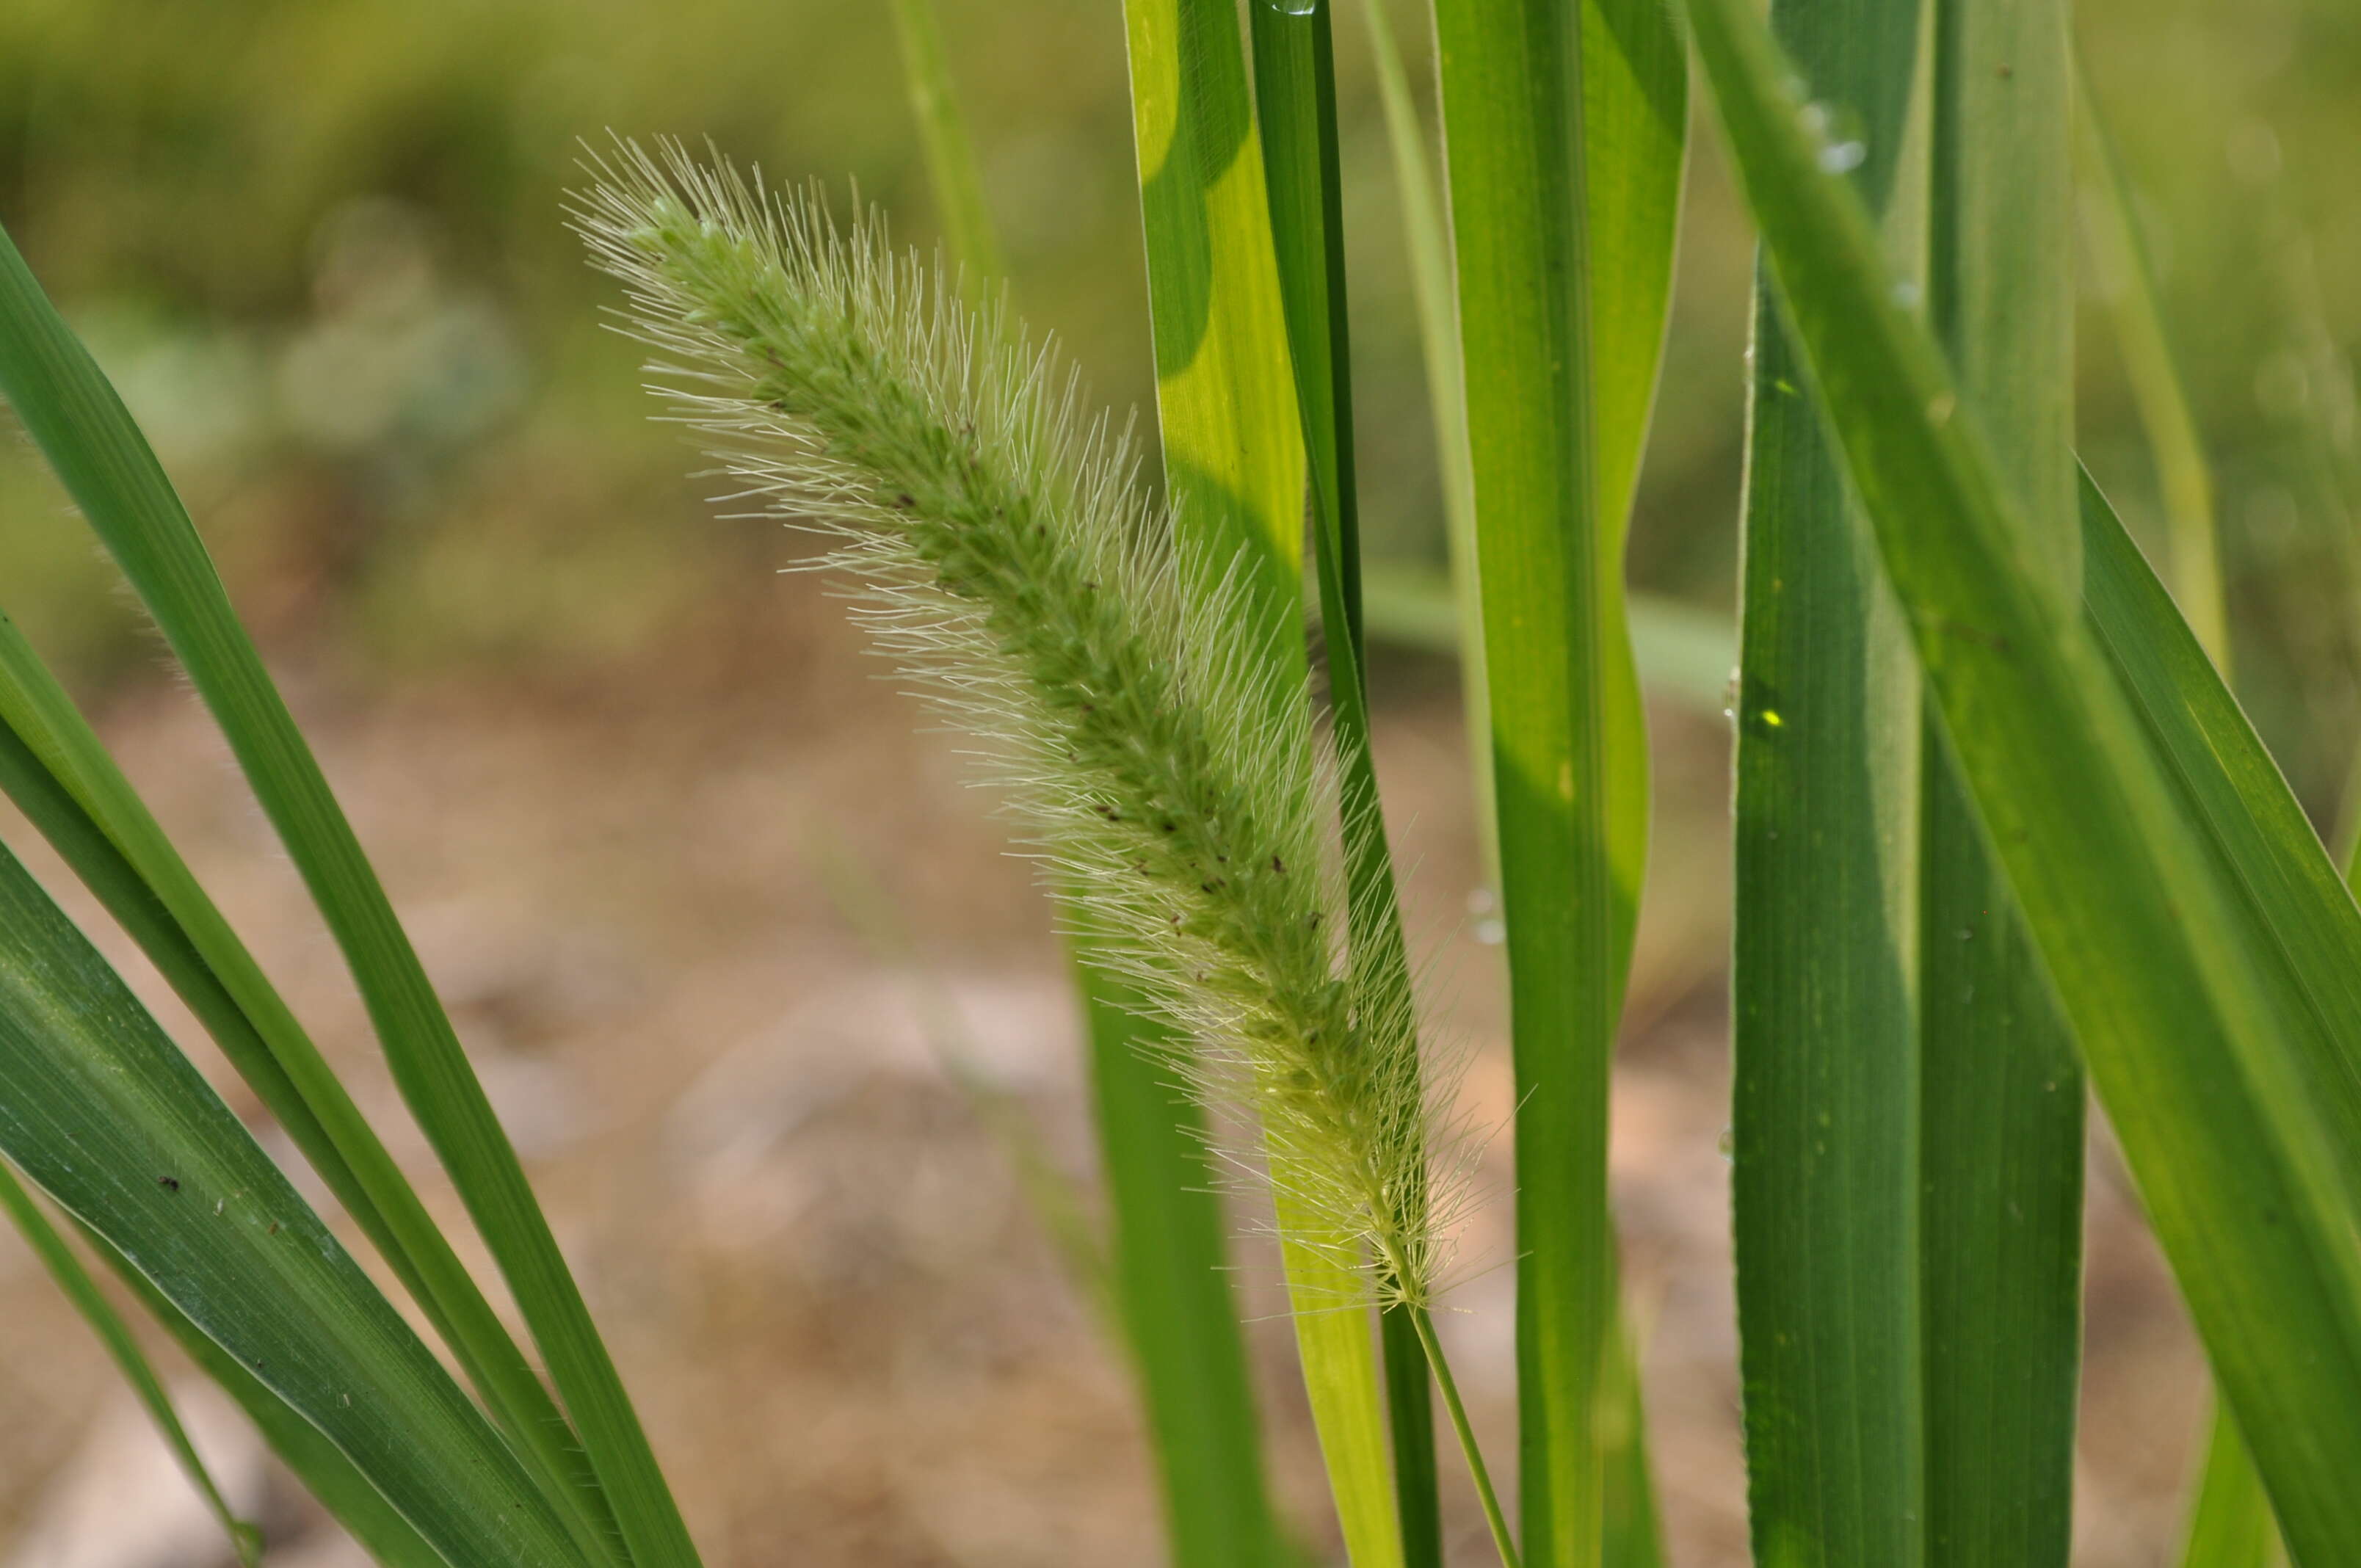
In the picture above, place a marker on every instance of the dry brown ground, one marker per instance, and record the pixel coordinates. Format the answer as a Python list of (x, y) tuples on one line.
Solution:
[(850, 1339)]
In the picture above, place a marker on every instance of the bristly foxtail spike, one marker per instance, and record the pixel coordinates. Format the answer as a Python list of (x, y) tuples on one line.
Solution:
[(1010, 563)]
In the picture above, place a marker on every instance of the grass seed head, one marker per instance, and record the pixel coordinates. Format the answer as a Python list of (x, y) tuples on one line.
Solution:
[(1010, 561)]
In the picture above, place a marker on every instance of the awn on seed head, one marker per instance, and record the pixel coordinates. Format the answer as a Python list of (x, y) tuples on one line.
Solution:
[(1010, 561)]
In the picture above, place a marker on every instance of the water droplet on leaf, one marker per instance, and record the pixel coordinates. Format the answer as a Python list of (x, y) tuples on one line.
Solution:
[(1842, 156)]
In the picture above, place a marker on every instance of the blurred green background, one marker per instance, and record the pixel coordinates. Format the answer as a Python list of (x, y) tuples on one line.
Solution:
[(322, 247)]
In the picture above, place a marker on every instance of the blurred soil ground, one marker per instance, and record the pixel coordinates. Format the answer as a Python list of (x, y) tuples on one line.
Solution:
[(851, 1340)]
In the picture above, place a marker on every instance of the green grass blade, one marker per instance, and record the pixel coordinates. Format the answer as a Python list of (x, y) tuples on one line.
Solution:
[(1164, 1283), (2230, 1526), (1908, 1115), (318, 1464), (81, 426), (1569, 757), (1225, 400), (1340, 1376), (2001, 1112), (1635, 148), (115, 1333), (2197, 723), (951, 155), (2227, 1106), (1409, 1417), (1295, 99), (2000, 1227), (1427, 241), (1634, 1529), (1234, 463), (57, 771), (2307, 928), (99, 1110), (1634, 99), (1825, 1086), (2230, 1522), (1633, 103), (1167, 1246), (2126, 279), (1214, 294)]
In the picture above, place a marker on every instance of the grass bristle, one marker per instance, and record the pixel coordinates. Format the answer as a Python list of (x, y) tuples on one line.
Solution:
[(1011, 563)]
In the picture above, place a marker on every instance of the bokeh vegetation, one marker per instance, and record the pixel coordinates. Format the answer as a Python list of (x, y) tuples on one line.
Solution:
[(320, 249)]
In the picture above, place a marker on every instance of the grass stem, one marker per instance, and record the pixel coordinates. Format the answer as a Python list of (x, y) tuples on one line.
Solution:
[(1476, 1469)]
